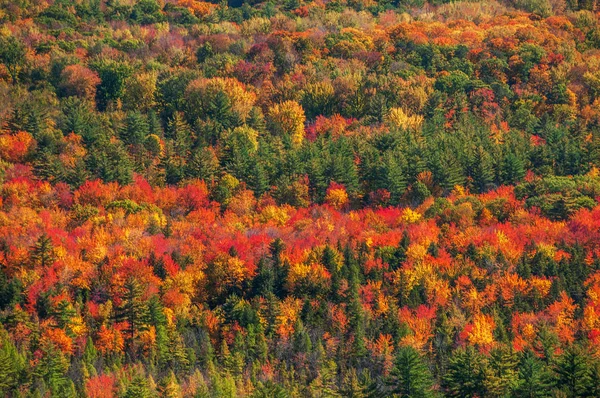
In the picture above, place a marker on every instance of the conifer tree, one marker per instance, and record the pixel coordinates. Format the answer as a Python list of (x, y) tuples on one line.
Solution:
[(533, 377), (573, 372), (42, 253), (466, 374), (410, 376)]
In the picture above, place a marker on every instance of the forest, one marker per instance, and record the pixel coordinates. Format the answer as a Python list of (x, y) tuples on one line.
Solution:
[(299, 198)]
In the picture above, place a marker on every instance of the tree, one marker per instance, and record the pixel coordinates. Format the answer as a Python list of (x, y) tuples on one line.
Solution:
[(512, 169), (138, 388), (269, 390), (169, 387), (133, 311), (573, 372), (466, 374), (135, 130), (503, 376), (480, 170), (287, 120), (139, 92), (12, 363), (78, 80), (410, 376), (325, 385), (110, 162), (12, 55), (533, 378), (42, 253), (113, 75)]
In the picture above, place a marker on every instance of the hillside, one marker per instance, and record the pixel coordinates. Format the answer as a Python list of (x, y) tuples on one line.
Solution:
[(299, 199)]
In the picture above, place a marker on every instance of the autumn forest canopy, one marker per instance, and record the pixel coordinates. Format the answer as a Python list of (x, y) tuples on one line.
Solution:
[(299, 199)]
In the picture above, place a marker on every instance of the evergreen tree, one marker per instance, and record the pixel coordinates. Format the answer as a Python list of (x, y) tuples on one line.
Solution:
[(480, 170), (269, 390), (325, 385), (512, 169), (12, 364), (135, 128), (502, 378), (169, 387), (533, 377), (42, 253), (181, 135), (138, 388), (134, 312), (410, 376), (352, 385), (12, 55), (466, 374), (203, 165), (573, 372)]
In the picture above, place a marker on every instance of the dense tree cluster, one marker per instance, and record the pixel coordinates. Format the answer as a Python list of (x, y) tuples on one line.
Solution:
[(350, 198)]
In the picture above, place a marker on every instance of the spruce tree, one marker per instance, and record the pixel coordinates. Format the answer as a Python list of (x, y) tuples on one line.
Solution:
[(480, 170), (42, 253), (502, 378), (466, 374), (533, 377), (573, 372), (410, 376)]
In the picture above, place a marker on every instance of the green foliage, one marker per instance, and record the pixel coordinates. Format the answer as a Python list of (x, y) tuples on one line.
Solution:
[(410, 376)]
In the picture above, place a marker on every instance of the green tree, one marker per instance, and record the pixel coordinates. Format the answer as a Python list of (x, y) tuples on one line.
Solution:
[(113, 75), (410, 376), (480, 170), (533, 378), (138, 388), (133, 311), (42, 253), (12, 55), (466, 374), (502, 377), (573, 372)]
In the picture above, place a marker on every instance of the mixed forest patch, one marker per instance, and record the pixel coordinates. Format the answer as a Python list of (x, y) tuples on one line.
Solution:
[(299, 198)]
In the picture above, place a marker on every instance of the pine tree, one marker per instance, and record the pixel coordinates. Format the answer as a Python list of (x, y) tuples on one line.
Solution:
[(480, 170), (466, 374), (169, 387), (512, 169), (136, 129), (502, 378), (573, 372), (352, 385), (181, 134), (356, 316), (410, 376), (533, 378), (325, 385), (53, 368), (256, 120), (42, 253), (138, 388), (203, 165), (395, 178), (12, 364), (12, 55), (133, 310)]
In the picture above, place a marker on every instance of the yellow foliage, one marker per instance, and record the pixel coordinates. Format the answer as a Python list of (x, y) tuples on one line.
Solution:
[(274, 213), (288, 315), (337, 197), (410, 216), (416, 252), (287, 118), (397, 118), (483, 330), (248, 134)]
